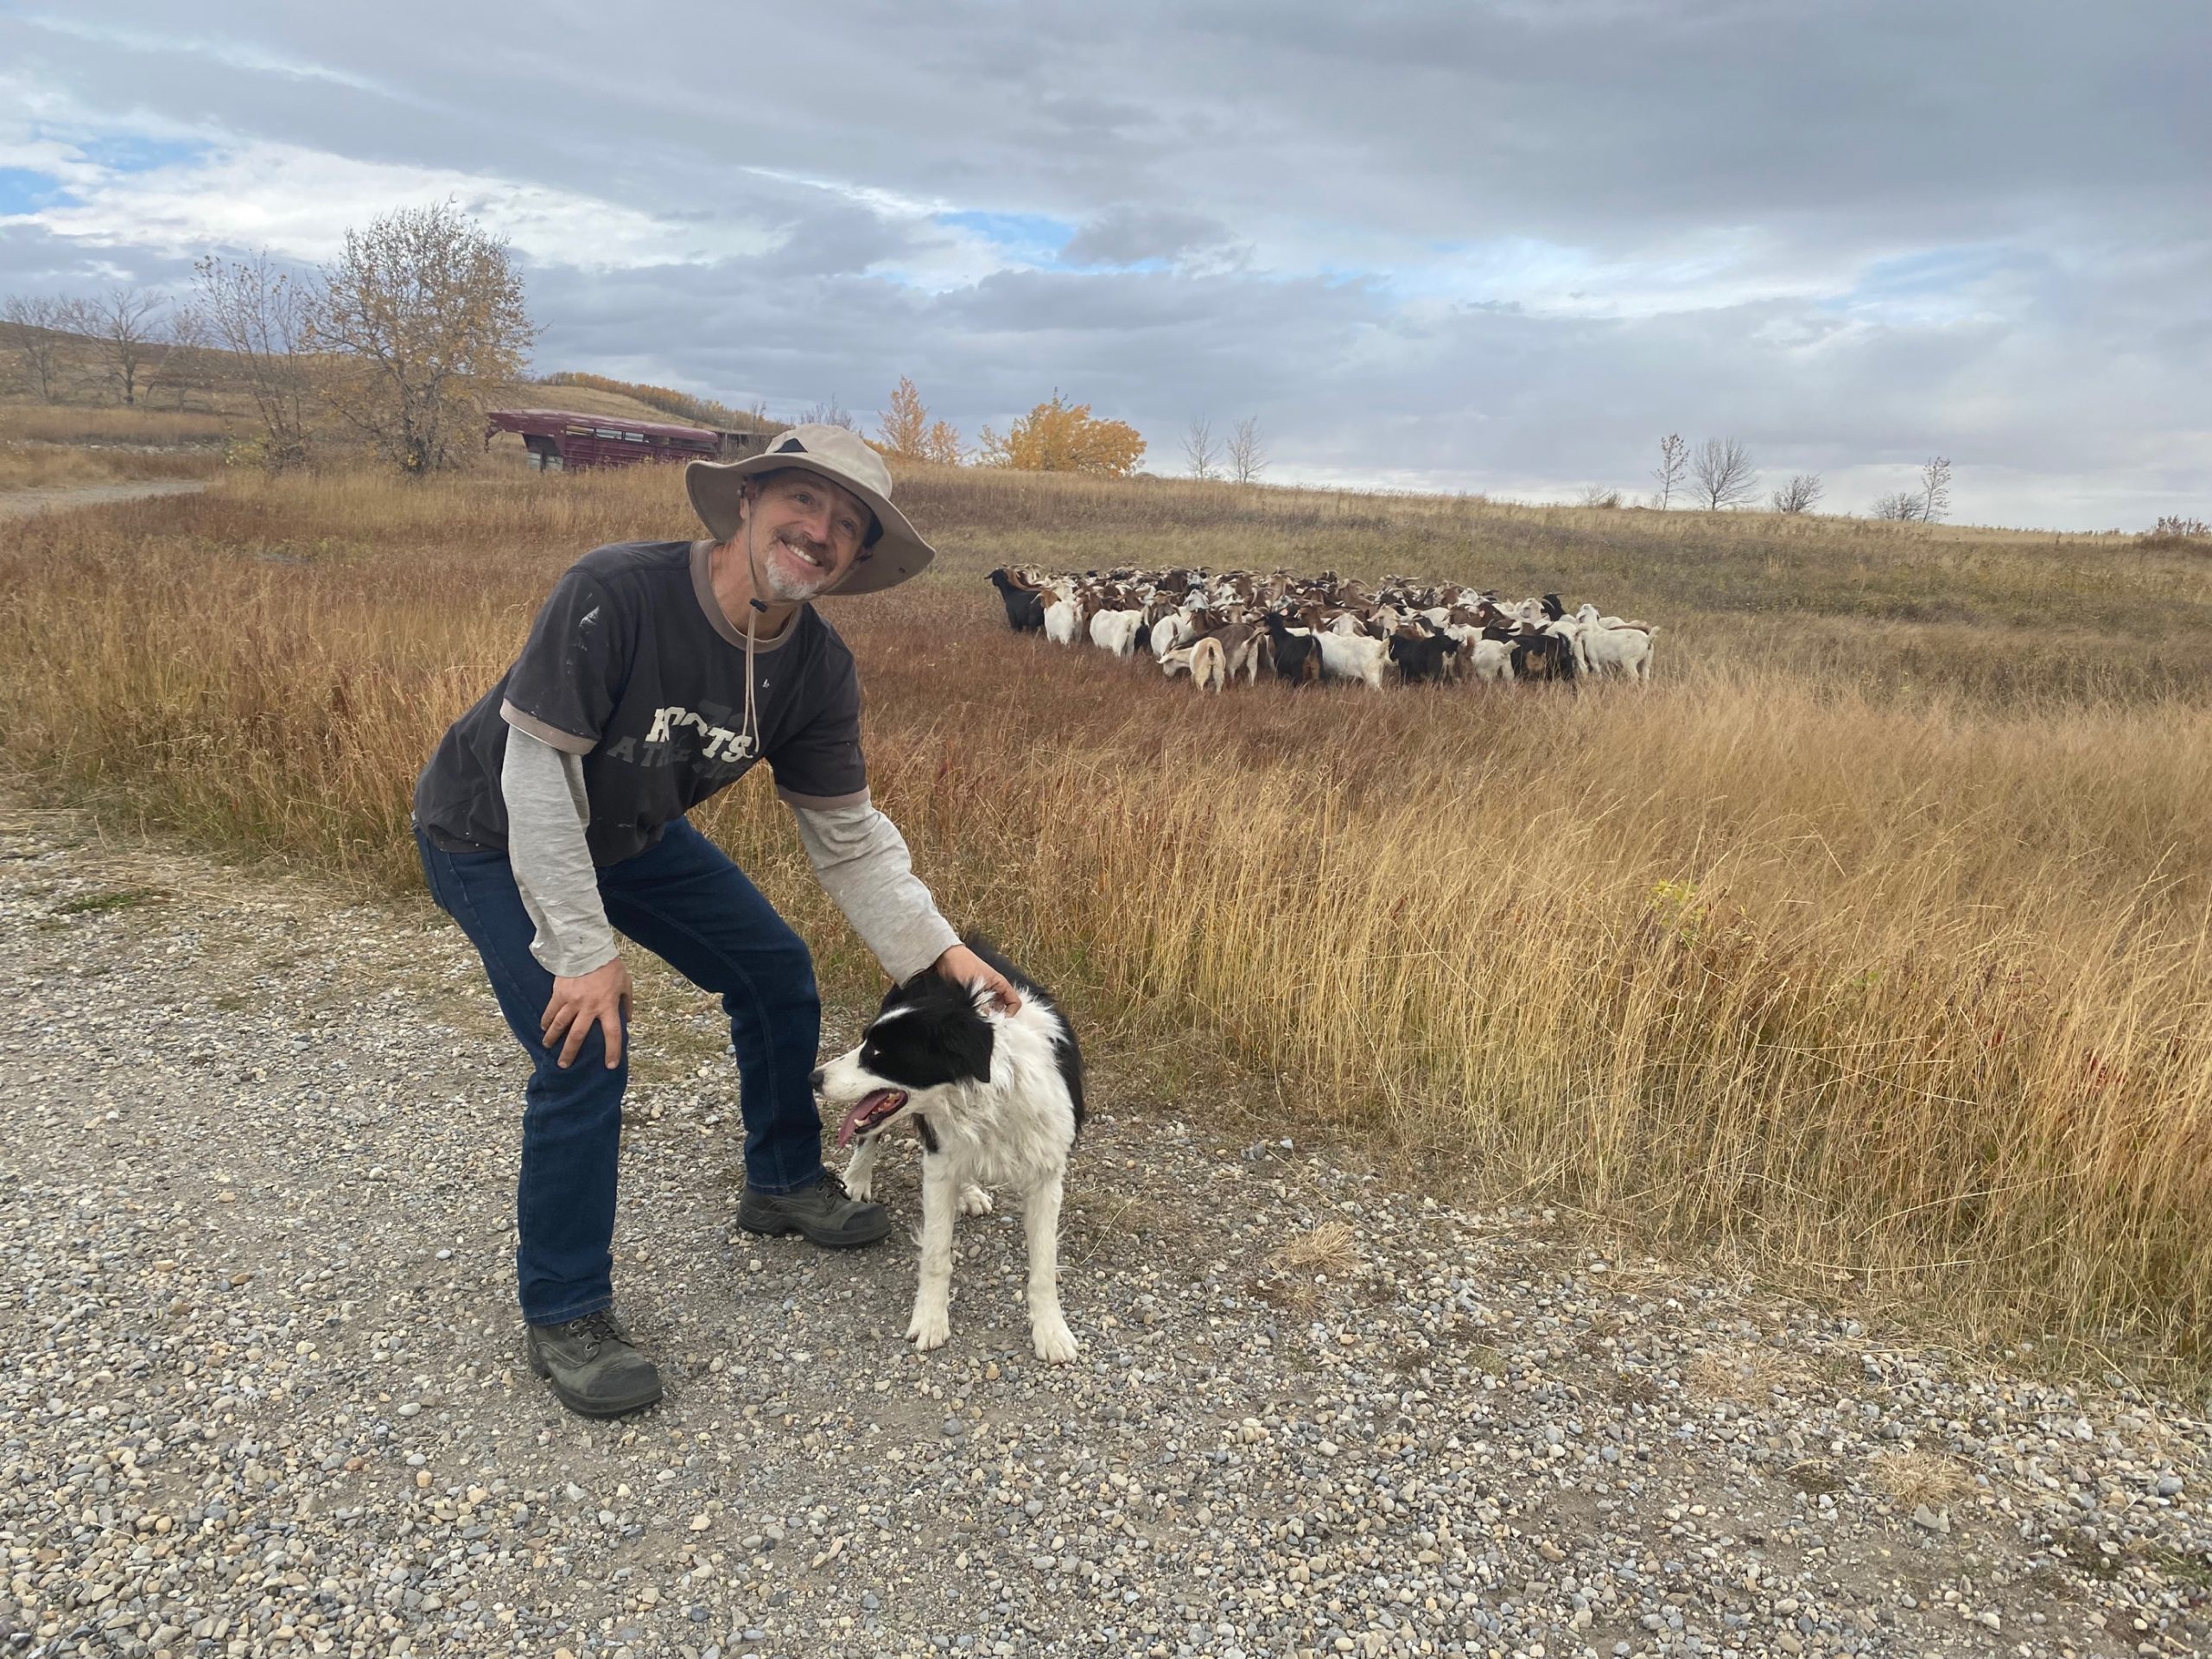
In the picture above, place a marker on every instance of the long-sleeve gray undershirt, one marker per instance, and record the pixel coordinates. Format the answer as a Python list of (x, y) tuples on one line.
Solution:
[(858, 856)]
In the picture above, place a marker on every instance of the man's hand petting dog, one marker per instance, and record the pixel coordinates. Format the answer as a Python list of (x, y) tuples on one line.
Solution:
[(963, 967), (600, 998)]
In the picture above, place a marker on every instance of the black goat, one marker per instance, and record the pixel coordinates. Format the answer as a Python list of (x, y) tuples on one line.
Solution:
[(1421, 657), (1298, 655), (1542, 656), (1025, 606)]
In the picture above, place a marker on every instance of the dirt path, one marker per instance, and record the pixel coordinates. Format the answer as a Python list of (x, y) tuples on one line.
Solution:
[(263, 1390), (21, 504)]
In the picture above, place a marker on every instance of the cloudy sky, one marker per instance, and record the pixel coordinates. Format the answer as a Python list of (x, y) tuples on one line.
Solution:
[(1474, 245)]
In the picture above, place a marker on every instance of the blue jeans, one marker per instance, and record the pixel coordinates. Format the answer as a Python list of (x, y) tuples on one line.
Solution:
[(683, 900)]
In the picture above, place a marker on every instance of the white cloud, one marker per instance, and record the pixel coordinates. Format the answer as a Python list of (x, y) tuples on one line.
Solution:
[(252, 56), (1431, 242), (299, 203)]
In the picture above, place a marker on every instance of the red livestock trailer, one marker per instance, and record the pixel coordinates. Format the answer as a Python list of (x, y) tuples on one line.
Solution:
[(558, 439)]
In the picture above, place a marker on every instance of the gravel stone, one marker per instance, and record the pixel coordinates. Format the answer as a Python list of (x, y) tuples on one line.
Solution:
[(266, 1392)]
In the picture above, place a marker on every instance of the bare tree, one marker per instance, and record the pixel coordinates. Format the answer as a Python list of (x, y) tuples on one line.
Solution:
[(260, 314), (1722, 469), (423, 311), (127, 324), (1903, 507), (34, 327), (1199, 448), (1935, 489), (831, 413), (1598, 495), (1798, 495), (1248, 457), (181, 351), (1674, 463)]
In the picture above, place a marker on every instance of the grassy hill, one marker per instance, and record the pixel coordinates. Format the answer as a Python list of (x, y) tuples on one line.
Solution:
[(1868, 942), (189, 404)]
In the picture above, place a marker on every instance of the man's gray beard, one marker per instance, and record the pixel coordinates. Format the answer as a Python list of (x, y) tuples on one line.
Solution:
[(783, 588)]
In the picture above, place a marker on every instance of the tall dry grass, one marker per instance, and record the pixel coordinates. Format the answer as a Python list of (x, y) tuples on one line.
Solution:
[(75, 424), (50, 467), (1875, 945)]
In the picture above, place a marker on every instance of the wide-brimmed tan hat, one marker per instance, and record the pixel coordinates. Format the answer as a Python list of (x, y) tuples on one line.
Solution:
[(842, 457)]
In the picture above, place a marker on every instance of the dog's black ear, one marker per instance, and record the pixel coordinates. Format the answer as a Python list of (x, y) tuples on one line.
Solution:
[(968, 1043)]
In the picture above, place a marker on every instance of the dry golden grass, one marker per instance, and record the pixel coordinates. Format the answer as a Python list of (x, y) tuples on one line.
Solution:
[(583, 400), (1870, 941), (1910, 1478), (1748, 1374), (69, 423), (45, 467), (1325, 1248)]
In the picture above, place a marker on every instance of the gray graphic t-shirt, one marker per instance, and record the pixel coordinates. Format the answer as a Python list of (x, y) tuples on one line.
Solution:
[(632, 665)]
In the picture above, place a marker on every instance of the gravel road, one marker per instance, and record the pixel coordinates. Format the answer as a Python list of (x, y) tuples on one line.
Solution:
[(264, 1389), (21, 504)]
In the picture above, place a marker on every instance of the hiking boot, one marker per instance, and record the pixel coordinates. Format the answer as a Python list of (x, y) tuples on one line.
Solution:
[(595, 1370), (824, 1213)]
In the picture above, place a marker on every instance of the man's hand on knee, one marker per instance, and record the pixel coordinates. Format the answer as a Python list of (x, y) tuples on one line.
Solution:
[(600, 998)]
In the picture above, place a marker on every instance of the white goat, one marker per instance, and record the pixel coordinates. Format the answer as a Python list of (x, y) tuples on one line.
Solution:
[(1621, 654), (1117, 631), (1062, 615), (1201, 659), (1171, 631), (1356, 658), (1488, 660)]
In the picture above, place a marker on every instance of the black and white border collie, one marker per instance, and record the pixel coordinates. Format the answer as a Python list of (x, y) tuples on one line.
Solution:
[(997, 1099)]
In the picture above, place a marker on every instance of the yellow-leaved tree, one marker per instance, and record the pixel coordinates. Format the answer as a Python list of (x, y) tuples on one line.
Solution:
[(1063, 437), (419, 319), (907, 433)]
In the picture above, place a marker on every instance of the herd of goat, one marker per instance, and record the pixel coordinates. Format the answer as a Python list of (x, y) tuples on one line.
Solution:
[(1303, 629)]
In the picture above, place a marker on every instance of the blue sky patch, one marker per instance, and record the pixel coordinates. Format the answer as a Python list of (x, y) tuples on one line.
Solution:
[(1935, 284), (128, 153), (22, 191), (1037, 238), (1936, 270)]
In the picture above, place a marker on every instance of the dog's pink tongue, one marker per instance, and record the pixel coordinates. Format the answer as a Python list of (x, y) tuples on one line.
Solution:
[(869, 1103)]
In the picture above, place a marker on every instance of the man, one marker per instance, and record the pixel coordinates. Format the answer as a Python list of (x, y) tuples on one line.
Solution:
[(552, 816)]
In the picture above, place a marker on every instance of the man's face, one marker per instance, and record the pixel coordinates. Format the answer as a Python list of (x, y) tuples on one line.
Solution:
[(806, 531)]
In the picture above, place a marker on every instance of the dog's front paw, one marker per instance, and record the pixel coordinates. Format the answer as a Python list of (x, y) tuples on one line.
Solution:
[(928, 1328), (974, 1201), (860, 1188), (1055, 1342)]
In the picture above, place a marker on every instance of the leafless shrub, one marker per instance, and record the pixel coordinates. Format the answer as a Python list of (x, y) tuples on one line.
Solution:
[(260, 313), (1903, 507), (1246, 456), (186, 349), (1597, 495), (1200, 448), (34, 327), (1798, 495), (2172, 529), (1935, 489), (828, 413), (126, 322), (1674, 466), (1722, 469)]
